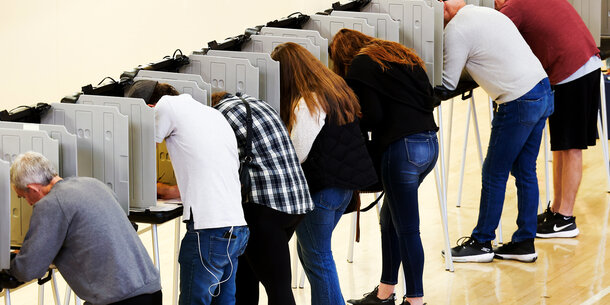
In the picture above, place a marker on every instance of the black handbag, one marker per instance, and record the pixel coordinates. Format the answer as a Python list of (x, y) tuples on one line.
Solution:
[(244, 163)]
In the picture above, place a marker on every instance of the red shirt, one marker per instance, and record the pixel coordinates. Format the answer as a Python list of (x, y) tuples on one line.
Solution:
[(555, 33)]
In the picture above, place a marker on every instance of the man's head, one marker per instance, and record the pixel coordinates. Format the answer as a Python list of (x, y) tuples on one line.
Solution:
[(150, 91), (32, 176), (451, 8)]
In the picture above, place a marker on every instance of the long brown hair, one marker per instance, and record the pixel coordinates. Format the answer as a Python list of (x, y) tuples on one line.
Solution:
[(347, 44), (304, 76)]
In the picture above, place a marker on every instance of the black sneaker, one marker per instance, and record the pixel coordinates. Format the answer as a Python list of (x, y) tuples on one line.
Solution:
[(522, 251), (546, 214), (557, 226), (372, 299), (469, 250), (405, 302)]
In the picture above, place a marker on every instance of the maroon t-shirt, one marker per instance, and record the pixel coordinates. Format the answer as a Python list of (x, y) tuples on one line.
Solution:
[(555, 33)]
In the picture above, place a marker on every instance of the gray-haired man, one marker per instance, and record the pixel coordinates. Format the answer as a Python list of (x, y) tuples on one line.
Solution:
[(78, 225)]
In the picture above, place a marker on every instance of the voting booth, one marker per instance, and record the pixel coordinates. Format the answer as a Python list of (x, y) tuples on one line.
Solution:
[(5, 215), (314, 36)]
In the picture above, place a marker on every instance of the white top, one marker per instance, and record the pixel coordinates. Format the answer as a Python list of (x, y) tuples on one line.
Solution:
[(489, 46), (591, 65), (306, 128), (203, 150)]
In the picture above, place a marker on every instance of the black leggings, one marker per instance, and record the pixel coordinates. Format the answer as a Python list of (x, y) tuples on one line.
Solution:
[(267, 257)]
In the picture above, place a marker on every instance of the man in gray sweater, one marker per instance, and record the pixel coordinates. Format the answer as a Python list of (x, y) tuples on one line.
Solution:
[(78, 225)]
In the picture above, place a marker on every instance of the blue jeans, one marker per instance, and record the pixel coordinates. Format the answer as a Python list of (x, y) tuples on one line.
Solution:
[(208, 262), (313, 245), (404, 165), (516, 132)]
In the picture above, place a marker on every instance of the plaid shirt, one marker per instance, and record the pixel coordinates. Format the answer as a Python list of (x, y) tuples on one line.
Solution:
[(277, 178)]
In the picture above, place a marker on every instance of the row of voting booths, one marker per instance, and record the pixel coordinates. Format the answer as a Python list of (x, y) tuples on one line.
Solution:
[(99, 133)]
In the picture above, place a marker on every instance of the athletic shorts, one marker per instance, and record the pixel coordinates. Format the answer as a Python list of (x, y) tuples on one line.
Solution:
[(573, 125)]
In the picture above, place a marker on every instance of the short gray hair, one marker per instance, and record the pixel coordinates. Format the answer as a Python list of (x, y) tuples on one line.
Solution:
[(31, 167)]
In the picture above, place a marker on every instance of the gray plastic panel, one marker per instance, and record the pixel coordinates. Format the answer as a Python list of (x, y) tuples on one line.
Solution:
[(225, 74), (268, 74), (102, 140), (5, 215), (605, 18), (385, 27), (328, 26), (68, 157), (165, 76), (12, 143), (589, 11), (142, 182), (314, 36), (421, 28), (485, 3), (266, 44), (184, 86)]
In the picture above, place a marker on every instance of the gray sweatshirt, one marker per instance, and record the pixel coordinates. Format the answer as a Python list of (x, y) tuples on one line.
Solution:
[(80, 227), (489, 46)]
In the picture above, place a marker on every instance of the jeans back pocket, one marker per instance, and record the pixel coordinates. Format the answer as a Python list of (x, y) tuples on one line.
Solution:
[(419, 151), (531, 111)]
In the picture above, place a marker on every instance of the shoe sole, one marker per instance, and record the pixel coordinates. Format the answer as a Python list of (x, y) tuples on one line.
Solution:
[(480, 258), (526, 258), (561, 234)]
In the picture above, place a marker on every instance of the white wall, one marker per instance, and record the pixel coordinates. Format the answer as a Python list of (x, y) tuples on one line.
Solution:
[(51, 48)]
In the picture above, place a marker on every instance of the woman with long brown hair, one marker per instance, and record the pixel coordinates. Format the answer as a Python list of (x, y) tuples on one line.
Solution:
[(397, 102), (321, 113)]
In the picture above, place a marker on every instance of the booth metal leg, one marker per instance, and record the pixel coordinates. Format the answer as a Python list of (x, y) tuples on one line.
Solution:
[(352, 238), (155, 244), (302, 280), (604, 133), (54, 287), (7, 297), (547, 175), (449, 129), (68, 295), (442, 195), (41, 295), (463, 165), (295, 262), (77, 300), (176, 266)]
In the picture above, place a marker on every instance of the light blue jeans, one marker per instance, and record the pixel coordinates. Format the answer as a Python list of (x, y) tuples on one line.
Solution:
[(208, 262), (516, 132), (313, 245)]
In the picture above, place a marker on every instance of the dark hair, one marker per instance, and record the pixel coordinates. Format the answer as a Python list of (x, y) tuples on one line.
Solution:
[(162, 89), (304, 76), (347, 44)]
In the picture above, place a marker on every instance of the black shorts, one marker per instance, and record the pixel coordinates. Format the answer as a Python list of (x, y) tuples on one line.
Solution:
[(573, 124)]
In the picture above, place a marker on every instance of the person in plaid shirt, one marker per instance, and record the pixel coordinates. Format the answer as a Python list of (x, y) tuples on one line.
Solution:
[(278, 200)]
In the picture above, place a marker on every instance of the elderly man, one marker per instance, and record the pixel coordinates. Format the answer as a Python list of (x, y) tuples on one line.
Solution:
[(567, 51), (78, 225), (489, 47)]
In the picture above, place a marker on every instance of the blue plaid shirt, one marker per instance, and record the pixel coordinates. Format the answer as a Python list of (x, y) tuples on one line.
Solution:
[(277, 178)]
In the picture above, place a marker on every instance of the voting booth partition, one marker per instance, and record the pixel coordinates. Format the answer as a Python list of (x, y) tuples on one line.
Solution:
[(386, 28), (314, 36), (5, 215), (269, 74), (102, 141), (200, 93)]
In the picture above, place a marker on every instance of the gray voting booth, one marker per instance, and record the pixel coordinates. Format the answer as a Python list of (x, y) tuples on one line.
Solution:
[(102, 140), (268, 77), (314, 36), (225, 74), (142, 175), (266, 44), (421, 28), (5, 215), (68, 159), (385, 27), (12, 143), (486, 3), (589, 11), (184, 86), (328, 26), (169, 76)]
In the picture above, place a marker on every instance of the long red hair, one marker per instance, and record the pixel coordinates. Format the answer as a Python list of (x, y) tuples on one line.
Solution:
[(347, 44), (304, 76)]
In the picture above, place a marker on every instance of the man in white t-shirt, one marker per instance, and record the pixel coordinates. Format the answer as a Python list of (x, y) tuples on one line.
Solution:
[(203, 150)]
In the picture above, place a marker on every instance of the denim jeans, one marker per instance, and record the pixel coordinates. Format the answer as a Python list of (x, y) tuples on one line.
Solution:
[(208, 262), (313, 245), (404, 165), (516, 132)]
